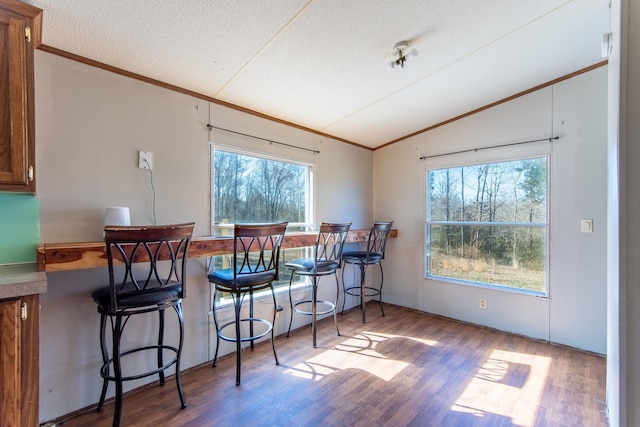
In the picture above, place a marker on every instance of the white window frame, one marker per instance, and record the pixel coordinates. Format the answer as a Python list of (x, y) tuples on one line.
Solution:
[(307, 225), (468, 160)]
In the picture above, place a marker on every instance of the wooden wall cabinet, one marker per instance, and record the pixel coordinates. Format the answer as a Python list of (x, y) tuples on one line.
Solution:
[(19, 361), (20, 34)]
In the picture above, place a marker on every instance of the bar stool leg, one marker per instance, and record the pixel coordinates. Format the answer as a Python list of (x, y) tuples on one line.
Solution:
[(160, 343), (344, 288), (362, 291), (183, 401), (238, 306), (251, 334), (215, 322), (335, 305), (314, 309), (273, 323), (105, 360), (290, 305), (117, 371), (380, 290)]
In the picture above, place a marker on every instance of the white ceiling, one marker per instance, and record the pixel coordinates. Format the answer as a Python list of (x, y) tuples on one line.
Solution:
[(322, 64)]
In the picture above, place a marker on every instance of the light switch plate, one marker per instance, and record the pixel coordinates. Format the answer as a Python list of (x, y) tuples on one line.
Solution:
[(586, 225)]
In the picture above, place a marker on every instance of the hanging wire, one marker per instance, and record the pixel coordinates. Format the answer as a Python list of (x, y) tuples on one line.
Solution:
[(153, 191), (487, 148), (210, 126)]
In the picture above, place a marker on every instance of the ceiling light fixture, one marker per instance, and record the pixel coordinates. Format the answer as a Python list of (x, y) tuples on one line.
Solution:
[(399, 49)]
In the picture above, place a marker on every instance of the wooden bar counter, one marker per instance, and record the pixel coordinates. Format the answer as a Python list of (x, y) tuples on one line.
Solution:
[(76, 256)]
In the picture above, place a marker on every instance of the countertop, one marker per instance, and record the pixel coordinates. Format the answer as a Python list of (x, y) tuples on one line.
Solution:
[(17, 280), (73, 256)]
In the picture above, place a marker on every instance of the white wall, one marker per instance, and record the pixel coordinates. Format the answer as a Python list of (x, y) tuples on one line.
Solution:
[(90, 125), (575, 312), (399, 196), (578, 260)]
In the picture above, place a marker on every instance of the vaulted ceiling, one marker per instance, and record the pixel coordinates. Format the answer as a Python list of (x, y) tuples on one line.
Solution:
[(322, 64)]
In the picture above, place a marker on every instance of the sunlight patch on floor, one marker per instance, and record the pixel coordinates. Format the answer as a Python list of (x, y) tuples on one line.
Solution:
[(508, 384), (358, 352)]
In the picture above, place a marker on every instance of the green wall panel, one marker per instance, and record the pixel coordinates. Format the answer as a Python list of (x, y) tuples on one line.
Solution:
[(19, 227)]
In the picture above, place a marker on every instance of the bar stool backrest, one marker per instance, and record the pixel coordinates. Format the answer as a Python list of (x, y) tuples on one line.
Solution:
[(257, 249), (136, 255), (377, 240), (330, 242)]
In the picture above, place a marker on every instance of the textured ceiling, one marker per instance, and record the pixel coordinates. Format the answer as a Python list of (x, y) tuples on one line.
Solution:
[(322, 64)]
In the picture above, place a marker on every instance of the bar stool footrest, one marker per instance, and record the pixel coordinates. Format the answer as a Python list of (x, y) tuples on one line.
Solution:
[(104, 368), (331, 308), (351, 291), (249, 338)]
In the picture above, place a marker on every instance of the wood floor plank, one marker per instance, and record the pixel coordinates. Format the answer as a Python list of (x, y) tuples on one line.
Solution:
[(404, 369)]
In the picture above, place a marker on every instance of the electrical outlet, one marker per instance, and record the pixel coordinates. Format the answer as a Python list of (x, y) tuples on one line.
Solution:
[(145, 159), (483, 303)]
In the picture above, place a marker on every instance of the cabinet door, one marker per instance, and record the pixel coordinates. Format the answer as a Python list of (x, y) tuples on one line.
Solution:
[(16, 166), (29, 360), (10, 357)]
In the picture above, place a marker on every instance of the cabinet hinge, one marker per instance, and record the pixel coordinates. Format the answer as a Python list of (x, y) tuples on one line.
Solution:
[(30, 173), (27, 34), (23, 311)]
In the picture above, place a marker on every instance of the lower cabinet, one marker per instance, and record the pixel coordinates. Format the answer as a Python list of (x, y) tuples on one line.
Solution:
[(19, 361)]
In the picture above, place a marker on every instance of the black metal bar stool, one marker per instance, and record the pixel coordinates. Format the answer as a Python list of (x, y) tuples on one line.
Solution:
[(373, 255), (147, 273), (256, 254), (325, 261)]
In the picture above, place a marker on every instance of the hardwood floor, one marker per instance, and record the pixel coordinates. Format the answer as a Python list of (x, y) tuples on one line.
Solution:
[(404, 369)]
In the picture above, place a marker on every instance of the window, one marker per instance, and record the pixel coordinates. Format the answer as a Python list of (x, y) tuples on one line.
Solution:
[(487, 225), (249, 188)]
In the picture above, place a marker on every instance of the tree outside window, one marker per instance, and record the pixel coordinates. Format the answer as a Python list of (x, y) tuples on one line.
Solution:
[(247, 188), (487, 224), (251, 189)]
